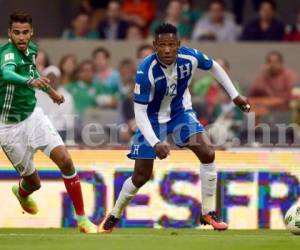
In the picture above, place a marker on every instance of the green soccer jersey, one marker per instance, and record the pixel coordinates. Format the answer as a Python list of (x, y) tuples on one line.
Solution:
[(85, 95), (17, 99)]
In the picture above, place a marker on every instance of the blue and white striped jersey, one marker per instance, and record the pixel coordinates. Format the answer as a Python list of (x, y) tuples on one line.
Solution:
[(165, 88)]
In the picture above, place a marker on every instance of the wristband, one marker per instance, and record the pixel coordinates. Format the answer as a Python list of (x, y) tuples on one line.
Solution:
[(30, 81)]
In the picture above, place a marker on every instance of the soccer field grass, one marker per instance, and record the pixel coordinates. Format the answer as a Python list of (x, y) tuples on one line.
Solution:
[(148, 239)]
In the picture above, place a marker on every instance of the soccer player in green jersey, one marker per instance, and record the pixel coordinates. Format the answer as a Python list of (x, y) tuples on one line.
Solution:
[(24, 128)]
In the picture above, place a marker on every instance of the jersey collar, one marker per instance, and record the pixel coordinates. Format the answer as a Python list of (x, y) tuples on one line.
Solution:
[(165, 66)]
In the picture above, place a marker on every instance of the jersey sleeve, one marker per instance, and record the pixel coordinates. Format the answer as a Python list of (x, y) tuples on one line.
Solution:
[(142, 87), (204, 62), (7, 57), (10, 76)]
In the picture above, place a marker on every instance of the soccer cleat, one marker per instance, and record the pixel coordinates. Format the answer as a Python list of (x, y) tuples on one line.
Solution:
[(27, 203), (212, 219), (86, 226), (108, 224)]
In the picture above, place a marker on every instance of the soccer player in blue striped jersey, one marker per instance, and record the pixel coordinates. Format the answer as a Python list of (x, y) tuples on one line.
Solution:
[(162, 105)]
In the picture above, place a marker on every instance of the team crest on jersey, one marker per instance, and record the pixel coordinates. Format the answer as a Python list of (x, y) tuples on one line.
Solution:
[(9, 56), (136, 149), (185, 70), (137, 89)]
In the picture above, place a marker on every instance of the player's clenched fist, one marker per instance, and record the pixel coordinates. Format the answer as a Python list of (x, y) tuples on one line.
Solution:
[(162, 150), (242, 103), (56, 97)]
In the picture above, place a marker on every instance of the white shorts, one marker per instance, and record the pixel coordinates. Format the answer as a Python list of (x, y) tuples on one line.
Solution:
[(20, 141)]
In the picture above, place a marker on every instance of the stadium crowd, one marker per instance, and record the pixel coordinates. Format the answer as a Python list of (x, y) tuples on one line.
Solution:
[(137, 20), (94, 84)]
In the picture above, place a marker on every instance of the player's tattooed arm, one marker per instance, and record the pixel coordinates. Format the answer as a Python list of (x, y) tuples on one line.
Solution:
[(55, 96), (42, 83)]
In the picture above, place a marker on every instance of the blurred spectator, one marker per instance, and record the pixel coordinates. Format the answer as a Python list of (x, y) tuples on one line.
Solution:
[(216, 25), (67, 66), (95, 8), (113, 26), (42, 61), (106, 74), (190, 14), (143, 51), (85, 90), (274, 81), (238, 9), (139, 12), (81, 28), (227, 121), (62, 116), (266, 27), (89, 6), (86, 6), (134, 33), (210, 91), (293, 31), (173, 16), (126, 113)]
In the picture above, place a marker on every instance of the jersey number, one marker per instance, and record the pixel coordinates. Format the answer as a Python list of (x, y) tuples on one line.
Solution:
[(171, 90), (31, 71)]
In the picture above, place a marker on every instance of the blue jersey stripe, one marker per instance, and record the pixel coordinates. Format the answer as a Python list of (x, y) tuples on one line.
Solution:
[(165, 90)]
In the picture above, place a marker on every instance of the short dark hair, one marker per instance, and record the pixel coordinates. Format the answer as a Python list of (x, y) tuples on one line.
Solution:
[(82, 64), (101, 50), (143, 47), (126, 62), (271, 2), (165, 28), (20, 16), (275, 53), (220, 2), (82, 13)]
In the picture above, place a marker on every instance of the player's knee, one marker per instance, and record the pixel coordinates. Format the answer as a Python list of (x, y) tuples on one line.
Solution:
[(140, 180), (208, 156), (67, 164)]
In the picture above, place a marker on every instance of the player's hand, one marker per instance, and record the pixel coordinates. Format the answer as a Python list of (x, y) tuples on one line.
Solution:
[(39, 83), (162, 150), (242, 103), (56, 97)]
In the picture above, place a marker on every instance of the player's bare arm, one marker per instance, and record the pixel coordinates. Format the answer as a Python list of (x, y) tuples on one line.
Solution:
[(39, 83), (55, 96), (42, 84)]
